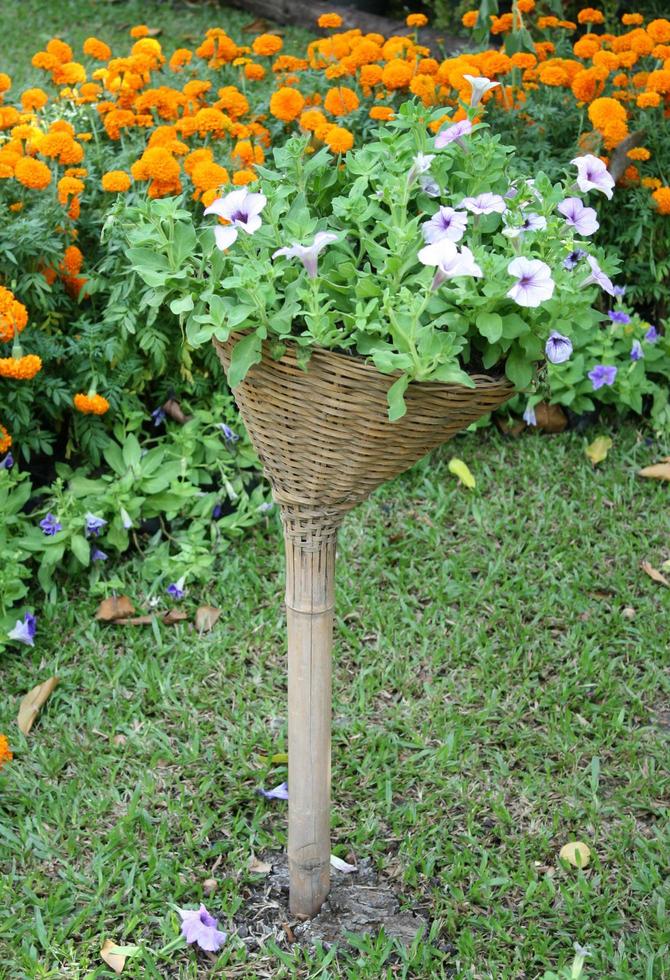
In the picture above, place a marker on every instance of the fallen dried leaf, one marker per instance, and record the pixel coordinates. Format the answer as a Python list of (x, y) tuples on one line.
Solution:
[(257, 867), (32, 703), (598, 449), (341, 865), (629, 612), (460, 469), (550, 418), (512, 429), (258, 26), (206, 618), (134, 621), (174, 616), (116, 961), (116, 607), (659, 471), (209, 886), (172, 408), (119, 740), (154, 31), (575, 853), (654, 574)]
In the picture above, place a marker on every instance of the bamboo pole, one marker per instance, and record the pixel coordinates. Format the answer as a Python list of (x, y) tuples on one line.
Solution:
[(310, 599)]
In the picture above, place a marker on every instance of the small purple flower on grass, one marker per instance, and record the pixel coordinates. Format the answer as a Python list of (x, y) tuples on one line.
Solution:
[(308, 254), (158, 415), (618, 316), (445, 223), (7, 462), (278, 793), (592, 174), (534, 284), (228, 433), (529, 415), (198, 926), (582, 219), (652, 335), (558, 348), (573, 259), (50, 525), (25, 630), (636, 352), (176, 589), (602, 374), (486, 203), (453, 134), (597, 277), (94, 525), (98, 555)]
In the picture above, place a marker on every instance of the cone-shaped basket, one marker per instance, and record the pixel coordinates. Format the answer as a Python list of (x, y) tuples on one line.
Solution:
[(325, 442)]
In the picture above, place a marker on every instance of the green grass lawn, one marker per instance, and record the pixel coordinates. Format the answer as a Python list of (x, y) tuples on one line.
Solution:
[(492, 702)]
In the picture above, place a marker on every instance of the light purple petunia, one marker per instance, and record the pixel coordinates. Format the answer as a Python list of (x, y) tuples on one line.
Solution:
[(50, 525), (531, 222), (94, 525), (308, 254), (176, 589), (652, 335), (486, 203), (529, 415), (420, 165), (480, 86), (584, 220), (278, 793), (534, 284), (449, 261), (592, 174), (558, 348), (158, 415), (619, 291), (446, 223), (636, 352), (242, 209), (618, 316), (98, 555), (573, 259), (453, 134), (7, 462), (602, 374), (228, 433), (25, 630), (199, 927), (597, 277), (429, 185)]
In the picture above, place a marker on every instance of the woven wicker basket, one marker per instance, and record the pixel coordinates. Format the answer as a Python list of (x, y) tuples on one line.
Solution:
[(325, 442)]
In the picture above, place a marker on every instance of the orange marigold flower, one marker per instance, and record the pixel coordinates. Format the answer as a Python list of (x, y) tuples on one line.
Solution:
[(156, 163), (659, 30), (13, 315), (662, 199), (139, 30), (651, 183), (8, 116), (59, 50), (267, 44), (16, 206), (503, 24), (97, 49), (207, 176), (72, 261), (525, 6), (116, 120), (416, 20), (116, 181), (20, 368), (589, 15), (648, 100), (632, 20), (32, 173), (232, 101), (524, 60), (603, 111), (254, 72), (5, 82), (5, 440), (553, 75), (614, 132), (69, 187), (91, 404), (659, 81), (469, 18), (33, 99), (70, 73), (338, 139), (382, 113), (181, 57), (423, 87), (397, 74), (247, 153), (5, 755), (341, 101), (370, 75), (312, 119), (329, 20), (639, 153), (286, 104), (586, 85), (547, 23), (243, 177)]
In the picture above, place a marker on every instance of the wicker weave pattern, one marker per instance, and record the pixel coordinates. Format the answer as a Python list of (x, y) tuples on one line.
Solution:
[(324, 438)]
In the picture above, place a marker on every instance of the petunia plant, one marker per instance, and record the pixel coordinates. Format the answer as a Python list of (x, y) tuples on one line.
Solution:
[(432, 255)]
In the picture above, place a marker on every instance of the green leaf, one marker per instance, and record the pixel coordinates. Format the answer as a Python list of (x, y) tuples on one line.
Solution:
[(490, 325), (183, 305), (396, 398), (518, 369), (245, 353), (81, 549)]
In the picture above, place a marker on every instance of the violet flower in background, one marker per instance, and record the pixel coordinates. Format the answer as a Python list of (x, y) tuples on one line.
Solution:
[(592, 174), (429, 185), (532, 222), (618, 316), (98, 555), (636, 352), (50, 525), (228, 433), (558, 348), (242, 209), (449, 261), (7, 462), (217, 511), (597, 277), (176, 589), (534, 284), (480, 86), (308, 254), (158, 415), (420, 165), (25, 630), (652, 335), (602, 374), (584, 220), (486, 203), (199, 927), (619, 291), (529, 415), (453, 134), (278, 793), (265, 507), (573, 259), (445, 223), (94, 525)]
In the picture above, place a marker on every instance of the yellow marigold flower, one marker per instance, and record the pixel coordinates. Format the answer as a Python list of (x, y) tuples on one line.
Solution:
[(33, 99), (116, 181), (469, 18), (5, 82), (91, 404), (340, 101), (382, 113), (659, 30), (329, 20), (5, 440), (652, 183), (648, 100), (662, 199), (32, 173), (638, 153), (97, 49), (286, 104), (589, 15), (20, 369), (254, 72), (243, 177), (416, 20), (397, 74), (5, 755), (139, 30), (338, 139), (267, 44)]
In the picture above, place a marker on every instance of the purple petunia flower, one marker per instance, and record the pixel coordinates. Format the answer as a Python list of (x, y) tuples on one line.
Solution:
[(486, 203), (429, 185), (529, 415), (573, 259), (618, 316), (592, 174), (602, 374), (420, 165), (176, 589), (242, 209), (265, 507), (25, 630), (531, 222), (217, 511), (597, 277), (228, 433), (449, 261), (584, 220), (453, 134), (278, 793), (446, 223), (652, 335), (534, 284), (98, 555), (558, 348), (199, 927), (7, 462), (619, 291), (158, 415), (308, 254), (50, 525), (636, 352), (480, 86), (94, 525)]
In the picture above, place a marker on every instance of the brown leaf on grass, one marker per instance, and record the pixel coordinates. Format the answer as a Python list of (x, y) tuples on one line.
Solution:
[(597, 451), (659, 471), (209, 886), (172, 408), (550, 418), (116, 607), (508, 428), (654, 574), (32, 703), (575, 853), (257, 867), (174, 616), (169, 618), (134, 621), (206, 618), (258, 26), (116, 961), (154, 32)]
